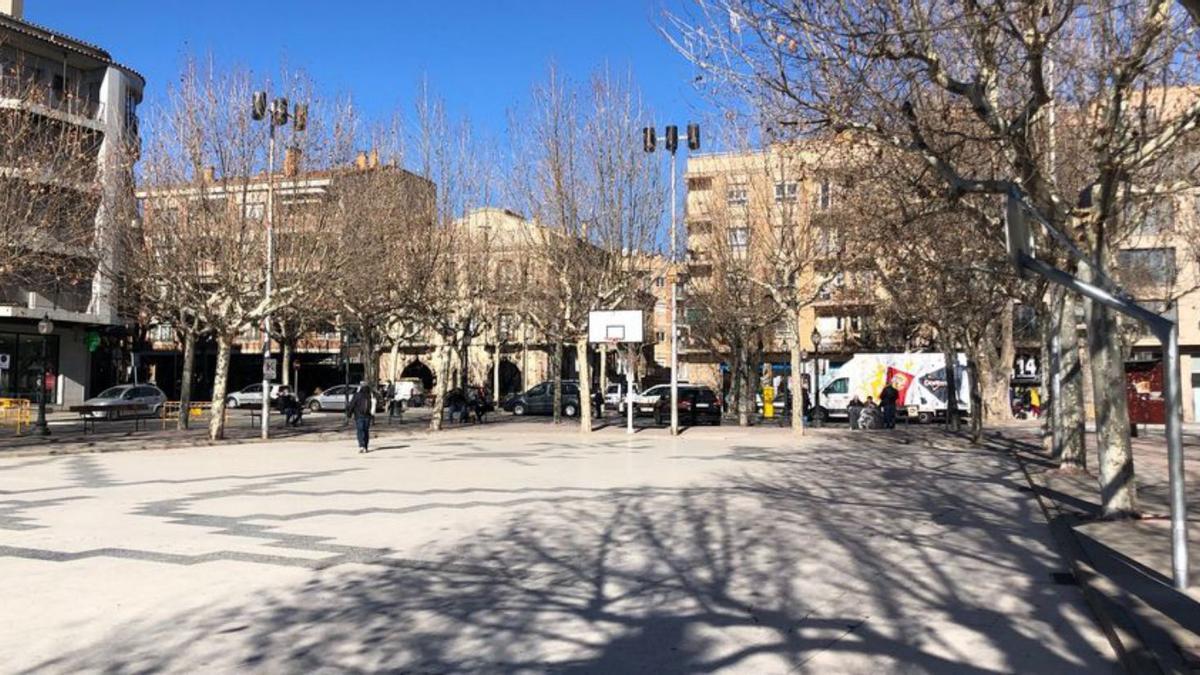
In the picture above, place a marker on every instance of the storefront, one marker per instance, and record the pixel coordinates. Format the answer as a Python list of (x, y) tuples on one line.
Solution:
[(24, 359)]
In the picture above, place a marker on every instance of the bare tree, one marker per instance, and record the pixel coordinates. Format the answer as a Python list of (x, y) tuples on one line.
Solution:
[(200, 251), (942, 81), (582, 176)]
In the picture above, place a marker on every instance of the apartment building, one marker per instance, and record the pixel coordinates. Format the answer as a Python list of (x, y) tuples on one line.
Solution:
[(58, 91)]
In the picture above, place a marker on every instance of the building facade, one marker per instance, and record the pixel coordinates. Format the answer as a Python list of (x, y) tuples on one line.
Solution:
[(74, 94)]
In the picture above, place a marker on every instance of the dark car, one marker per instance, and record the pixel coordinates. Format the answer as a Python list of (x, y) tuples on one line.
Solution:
[(697, 405), (539, 400)]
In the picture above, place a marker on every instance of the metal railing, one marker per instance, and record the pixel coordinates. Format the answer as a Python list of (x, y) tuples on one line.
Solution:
[(16, 411), (196, 409)]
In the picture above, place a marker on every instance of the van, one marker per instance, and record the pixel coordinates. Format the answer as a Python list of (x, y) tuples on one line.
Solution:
[(920, 380)]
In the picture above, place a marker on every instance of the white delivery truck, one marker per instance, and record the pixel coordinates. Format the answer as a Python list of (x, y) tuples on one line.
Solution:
[(919, 378)]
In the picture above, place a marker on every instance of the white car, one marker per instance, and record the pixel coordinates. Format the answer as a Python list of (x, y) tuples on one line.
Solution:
[(614, 396), (250, 397), (645, 402)]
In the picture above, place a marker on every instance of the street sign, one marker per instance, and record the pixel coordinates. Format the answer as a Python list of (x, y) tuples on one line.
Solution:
[(4, 361), (270, 369)]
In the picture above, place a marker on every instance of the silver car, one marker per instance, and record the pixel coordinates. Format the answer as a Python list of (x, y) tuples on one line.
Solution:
[(335, 398), (250, 396), (147, 395)]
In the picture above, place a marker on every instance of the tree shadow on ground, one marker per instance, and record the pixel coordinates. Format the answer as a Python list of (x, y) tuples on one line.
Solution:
[(864, 560)]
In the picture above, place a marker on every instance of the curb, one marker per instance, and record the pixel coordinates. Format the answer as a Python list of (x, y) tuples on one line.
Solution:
[(1117, 623)]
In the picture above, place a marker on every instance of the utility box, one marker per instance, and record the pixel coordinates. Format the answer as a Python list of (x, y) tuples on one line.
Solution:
[(1144, 392)]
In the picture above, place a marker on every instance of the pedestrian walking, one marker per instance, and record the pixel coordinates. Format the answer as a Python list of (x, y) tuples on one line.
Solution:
[(362, 409), (887, 403)]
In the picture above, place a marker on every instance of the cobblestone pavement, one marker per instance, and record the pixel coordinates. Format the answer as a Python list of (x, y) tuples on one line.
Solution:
[(521, 549)]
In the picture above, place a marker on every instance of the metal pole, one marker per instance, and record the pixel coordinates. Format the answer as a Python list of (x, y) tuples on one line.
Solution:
[(266, 323), (43, 428), (816, 385), (674, 312), (628, 392), (1174, 396)]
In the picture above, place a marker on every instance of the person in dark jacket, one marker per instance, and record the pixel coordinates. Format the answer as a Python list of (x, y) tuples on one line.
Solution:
[(362, 409), (290, 406), (854, 412), (887, 404)]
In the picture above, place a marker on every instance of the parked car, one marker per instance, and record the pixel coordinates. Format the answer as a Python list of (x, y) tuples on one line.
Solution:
[(644, 404), (250, 396), (147, 395), (335, 398), (614, 396), (539, 400), (697, 405)]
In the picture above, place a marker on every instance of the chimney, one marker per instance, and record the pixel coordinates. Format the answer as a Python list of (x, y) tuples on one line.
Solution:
[(13, 8), (360, 161), (210, 172), (291, 162), (374, 159)]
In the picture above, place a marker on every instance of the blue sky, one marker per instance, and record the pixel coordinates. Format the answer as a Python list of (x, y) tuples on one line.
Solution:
[(481, 56)]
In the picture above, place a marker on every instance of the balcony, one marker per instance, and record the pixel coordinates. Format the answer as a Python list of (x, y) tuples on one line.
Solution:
[(21, 91)]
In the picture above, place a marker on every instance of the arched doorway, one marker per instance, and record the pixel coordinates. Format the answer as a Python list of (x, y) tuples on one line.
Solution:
[(511, 381), (421, 371)]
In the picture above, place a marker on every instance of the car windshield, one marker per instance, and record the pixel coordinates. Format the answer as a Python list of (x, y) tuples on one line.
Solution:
[(112, 392)]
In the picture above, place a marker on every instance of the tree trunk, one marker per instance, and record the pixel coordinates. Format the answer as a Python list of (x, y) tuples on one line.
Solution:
[(366, 351), (556, 363), (443, 387), (977, 409), (216, 425), (1118, 484), (585, 385), (744, 391), (286, 348), (950, 358), (185, 381), (394, 366), (1050, 358), (464, 363), (796, 383), (1070, 442)]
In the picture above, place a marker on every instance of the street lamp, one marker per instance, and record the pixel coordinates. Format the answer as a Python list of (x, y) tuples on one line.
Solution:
[(671, 142), (276, 116), (45, 328), (816, 379)]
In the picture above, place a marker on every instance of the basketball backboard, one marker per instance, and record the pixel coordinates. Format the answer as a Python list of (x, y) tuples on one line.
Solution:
[(619, 325)]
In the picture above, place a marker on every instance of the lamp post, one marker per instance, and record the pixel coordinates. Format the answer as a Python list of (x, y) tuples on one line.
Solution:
[(671, 143), (816, 381), (798, 388), (44, 327), (276, 116)]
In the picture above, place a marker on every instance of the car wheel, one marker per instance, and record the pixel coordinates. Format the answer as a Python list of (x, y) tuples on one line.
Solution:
[(570, 410), (314, 406), (231, 402), (925, 417), (519, 409), (157, 411)]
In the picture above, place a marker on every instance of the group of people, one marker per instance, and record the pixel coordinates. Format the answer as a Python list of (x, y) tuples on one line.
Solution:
[(872, 415), (475, 402)]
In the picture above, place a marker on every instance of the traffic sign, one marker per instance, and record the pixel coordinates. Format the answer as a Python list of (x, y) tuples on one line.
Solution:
[(270, 369), (4, 361)]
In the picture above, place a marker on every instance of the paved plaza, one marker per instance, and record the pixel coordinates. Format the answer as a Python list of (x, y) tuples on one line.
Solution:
[(526, 549)]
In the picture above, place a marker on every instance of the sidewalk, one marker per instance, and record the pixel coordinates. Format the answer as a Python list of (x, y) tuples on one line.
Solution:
[(1125, 566)]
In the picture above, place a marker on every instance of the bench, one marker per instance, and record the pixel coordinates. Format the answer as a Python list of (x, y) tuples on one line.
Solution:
[(114, 412)]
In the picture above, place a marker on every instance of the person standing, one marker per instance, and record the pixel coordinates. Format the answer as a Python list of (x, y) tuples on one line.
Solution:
[(887, 402), (362, 408)]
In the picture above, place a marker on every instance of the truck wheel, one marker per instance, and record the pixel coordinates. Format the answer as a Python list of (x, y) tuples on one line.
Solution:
[(519, 409), (821, 414), (925, 417)]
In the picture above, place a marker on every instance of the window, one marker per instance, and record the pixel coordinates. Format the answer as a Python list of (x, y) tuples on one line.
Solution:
[(254, 210), (828, 242), (162, 333), (659, 282), (660, 307), (838, 386), (737, 195), (699, 183), (823, 199), (659, 336), (786, 191), (1147, 266), (1149, 218), (739, 240)]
